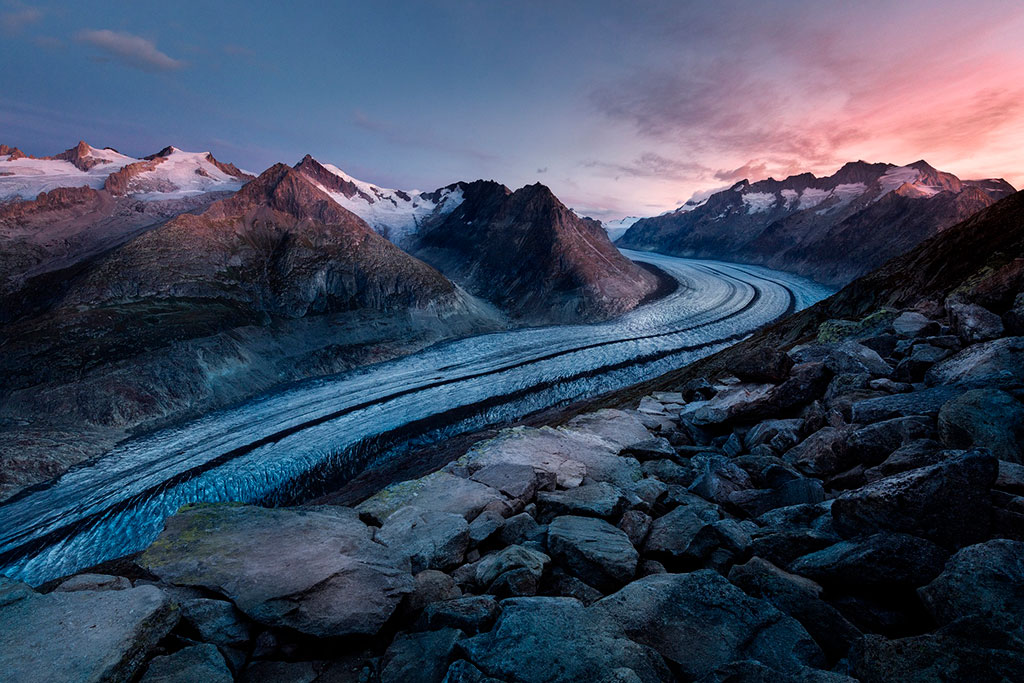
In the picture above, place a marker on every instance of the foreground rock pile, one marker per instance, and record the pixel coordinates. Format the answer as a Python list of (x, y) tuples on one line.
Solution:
[(850, 510)]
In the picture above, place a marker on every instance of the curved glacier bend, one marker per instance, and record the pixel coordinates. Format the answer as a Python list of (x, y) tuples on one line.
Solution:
[(282, 444)]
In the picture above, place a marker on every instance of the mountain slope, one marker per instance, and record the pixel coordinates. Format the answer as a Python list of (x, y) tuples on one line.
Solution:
[(528, 254), (832, 229)]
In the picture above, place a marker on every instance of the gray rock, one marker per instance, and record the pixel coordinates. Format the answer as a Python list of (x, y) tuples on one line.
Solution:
[(699, 621), (850, 356), (913, 324), (749, 671), (995, 363), (486, 526), (970, 649), (515, 584), (794, 492), (520, 529), (547, 639), (947, 503), (669, 472), (316, 570), (593, 550), (569, 586), (440, 492), (979, 579), (81, 635), (431, 539), (914, 454), (512, 557), (196, 663), (419, 657), (718, 544), (462, 671), (973, 323), (650, 493), (718, 477), (94, 582), (873, 443), (924, 402), (280, 672), (889, 386), (651, 449), (671, 534), (782, 547), (767, 431), (470, 614), (591, 500), (878, 560), (515, 481), (800, 598), (984, 418), (922, 357), (1010, 477), (215, 621)]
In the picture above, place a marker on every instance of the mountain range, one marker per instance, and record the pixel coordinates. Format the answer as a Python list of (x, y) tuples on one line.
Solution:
[(832, 229)]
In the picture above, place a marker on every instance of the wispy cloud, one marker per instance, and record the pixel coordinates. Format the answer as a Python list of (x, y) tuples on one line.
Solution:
[(650, 165), (13, 21), (130, 50)]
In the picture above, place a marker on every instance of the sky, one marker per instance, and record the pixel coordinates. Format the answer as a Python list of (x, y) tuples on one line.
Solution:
[(622, 108)]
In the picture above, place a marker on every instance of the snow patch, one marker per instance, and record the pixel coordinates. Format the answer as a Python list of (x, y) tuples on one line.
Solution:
[(758, 202), (789, 197), (811, 197)]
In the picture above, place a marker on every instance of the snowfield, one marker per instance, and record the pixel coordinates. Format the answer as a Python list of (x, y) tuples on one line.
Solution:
[(294, 442)]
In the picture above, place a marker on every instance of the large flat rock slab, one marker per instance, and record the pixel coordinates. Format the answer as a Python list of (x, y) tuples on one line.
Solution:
[(79, 636), (316, 570), (438, 492)]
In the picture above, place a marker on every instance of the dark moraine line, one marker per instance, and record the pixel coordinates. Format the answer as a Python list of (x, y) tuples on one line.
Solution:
[(370, 446)]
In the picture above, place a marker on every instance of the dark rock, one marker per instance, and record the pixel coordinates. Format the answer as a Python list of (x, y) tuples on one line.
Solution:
[(698, 389), (924, 402), (794, 492), (669, 472), (486, 526), (782, 547), (984, 418), (280, 672), (470, 614), (800, 598), (419, 657), (871, 444), (215, 621), (822, 453), (882, 344), (512, 557), (521, 528), (670, 535), (650, 492), (878, 560), (558, 582), (635, 524), (996, 363), (462, 671), (979, 579), (973, 323), (763, 364), (807, 516), (593, 550), (699, 621), (515, 481), (913, 324), (431, 586), (515, 584), (767, 431), (733, 446), (591, 500), (889, 386), (947, 503), (918, 453), (651, 449), (971, 649), (750, 671), (81, 635), (1013, 319), (195, 663), (719, 544), (847, 357), (1010, 477), (718, 477), (93, 582), (431, 539), (922, 357), (558, 639)]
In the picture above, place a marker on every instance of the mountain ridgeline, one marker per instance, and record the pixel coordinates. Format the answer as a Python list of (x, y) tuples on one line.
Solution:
[(832, 229)]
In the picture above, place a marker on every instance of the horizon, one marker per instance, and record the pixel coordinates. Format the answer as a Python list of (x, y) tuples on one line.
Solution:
[(620, 111)]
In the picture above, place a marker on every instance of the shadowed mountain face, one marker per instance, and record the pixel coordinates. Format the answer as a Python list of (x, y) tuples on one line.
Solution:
[(530, 255), (832, 229)]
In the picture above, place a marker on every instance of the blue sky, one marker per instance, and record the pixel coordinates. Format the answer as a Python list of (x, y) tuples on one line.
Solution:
[(619, 107)]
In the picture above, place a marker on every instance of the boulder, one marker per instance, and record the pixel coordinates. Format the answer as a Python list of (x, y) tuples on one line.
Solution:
[(438, 492), (486, 526), (970, 649), (979, 579), (79, 635), (762, 364), (995, 363), (651, 449), (750, 671), (670, 535), (699, 621), (984, 418), (913, 324), (215, 621), (800, 598), (316, 570), (772, 431), (520, 529), (925, 402), (873, 443), (973, 323), (1013, 319), (419, 657), (511, 557), (591, 500), (93, 582), (542, 639), (470, 614), (635, 525), (431, 586), (922, 357), (852, 357), (515, 583), (202, 662), (669, 472), (430, 539), (515, 481), (947, 503), (614, 426), (914, 454), (794, 492), (593, 550), (267, 671), (879, 560), (782, 547)]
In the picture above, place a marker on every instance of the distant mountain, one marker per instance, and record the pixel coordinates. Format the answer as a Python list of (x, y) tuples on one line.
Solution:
[(832, 229), (618, 228), (529, 254)]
